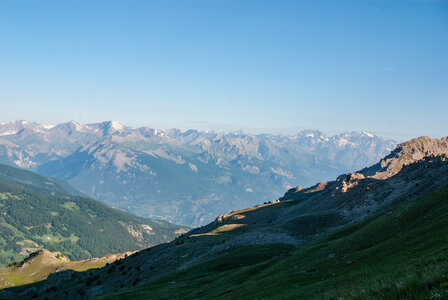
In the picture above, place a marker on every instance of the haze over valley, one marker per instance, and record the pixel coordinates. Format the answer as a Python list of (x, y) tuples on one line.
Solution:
[(185, 177)]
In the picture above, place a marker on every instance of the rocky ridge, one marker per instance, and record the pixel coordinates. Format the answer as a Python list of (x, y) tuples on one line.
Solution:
[(399, 175)]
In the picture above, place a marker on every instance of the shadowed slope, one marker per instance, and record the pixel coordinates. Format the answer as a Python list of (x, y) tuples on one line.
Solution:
[(391, 256)]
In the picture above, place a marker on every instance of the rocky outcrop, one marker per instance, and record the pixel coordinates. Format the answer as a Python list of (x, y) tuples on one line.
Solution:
[(350, 180), (293, 191), (405, 154)]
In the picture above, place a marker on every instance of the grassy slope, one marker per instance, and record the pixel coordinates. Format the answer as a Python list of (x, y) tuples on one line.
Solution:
[(399, 255), (42, 265)]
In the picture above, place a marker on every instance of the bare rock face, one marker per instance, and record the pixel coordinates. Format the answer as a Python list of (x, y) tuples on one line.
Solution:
[(354, 176), (407, 153), (293, 191), (350, 180)]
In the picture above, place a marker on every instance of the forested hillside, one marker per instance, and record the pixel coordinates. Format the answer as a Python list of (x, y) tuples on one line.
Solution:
[(40, 212)]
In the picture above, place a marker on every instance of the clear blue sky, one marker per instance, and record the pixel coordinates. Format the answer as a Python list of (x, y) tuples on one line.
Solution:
[(261, 66)]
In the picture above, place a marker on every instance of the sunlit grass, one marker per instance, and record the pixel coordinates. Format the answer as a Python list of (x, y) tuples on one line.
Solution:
[(221, 229)]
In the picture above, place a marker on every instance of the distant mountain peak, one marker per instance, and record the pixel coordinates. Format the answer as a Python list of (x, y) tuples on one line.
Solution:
[(110, 127), (115, 125), (369, 134), (15, 127), (74, 125), (311, 133)]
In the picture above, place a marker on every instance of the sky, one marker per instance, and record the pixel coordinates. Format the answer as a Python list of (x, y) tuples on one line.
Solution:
[(224, 65)]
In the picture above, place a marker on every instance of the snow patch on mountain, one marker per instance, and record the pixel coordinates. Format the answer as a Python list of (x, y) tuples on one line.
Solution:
[(193, 167)]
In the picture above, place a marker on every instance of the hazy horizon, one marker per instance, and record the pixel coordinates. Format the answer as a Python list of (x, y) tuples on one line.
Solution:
[(254, 131)]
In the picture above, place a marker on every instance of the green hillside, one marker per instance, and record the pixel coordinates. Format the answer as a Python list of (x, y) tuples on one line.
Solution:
[(400, 254), (40, 212), (42, 263), (403, 255)]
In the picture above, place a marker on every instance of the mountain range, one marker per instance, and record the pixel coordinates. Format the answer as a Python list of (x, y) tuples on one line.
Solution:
[(379, 232), (185, 177)]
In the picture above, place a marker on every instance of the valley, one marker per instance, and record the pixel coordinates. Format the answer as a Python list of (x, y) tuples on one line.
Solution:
[(40, 212), (380, 232)]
